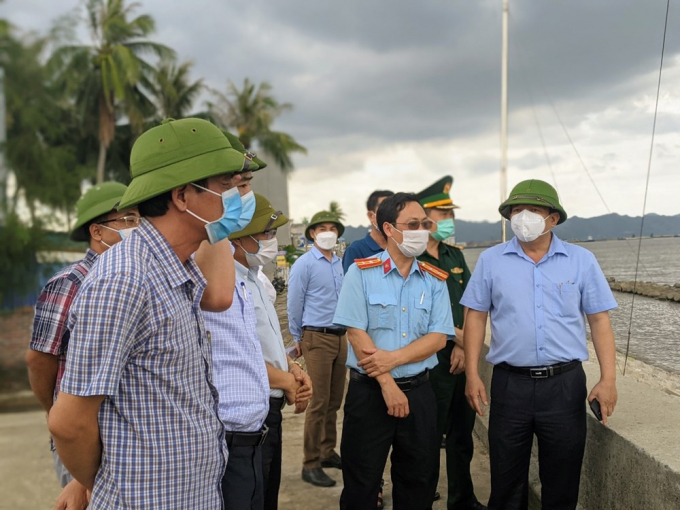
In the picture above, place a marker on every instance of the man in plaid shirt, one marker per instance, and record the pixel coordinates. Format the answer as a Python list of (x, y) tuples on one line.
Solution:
[(101, 226), (136, 419)]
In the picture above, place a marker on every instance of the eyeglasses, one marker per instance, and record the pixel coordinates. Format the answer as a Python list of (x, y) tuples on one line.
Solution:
[(130, 221), (415, 224), (269, 234)]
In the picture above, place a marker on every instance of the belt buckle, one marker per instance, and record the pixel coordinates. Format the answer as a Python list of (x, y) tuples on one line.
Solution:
[(539, 373), (406, 386)]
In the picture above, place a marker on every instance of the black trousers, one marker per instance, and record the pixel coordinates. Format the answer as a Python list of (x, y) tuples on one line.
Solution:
[(456, 419), (242, 484), (552, 409), (367, 435), (272, 454)]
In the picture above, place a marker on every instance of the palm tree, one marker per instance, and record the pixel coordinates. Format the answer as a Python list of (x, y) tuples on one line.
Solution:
[(109, 78), (335, 208), (175, 93), (251, 112)]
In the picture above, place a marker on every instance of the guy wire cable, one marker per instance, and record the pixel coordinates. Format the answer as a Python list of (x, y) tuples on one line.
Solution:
[(649, 171)]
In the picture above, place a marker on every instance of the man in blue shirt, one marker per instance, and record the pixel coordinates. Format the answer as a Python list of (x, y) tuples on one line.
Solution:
[(373, 242), (398, 316), (313, 289), (537, 289)]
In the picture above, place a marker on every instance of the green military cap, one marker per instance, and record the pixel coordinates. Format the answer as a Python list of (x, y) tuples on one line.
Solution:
[(437, 196), (324, 217), (176, 153), (533, 192), (100, 199), (265, 218), (252, 162)]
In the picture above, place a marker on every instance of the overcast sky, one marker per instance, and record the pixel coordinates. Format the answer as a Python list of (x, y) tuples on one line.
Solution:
[(396, 94)]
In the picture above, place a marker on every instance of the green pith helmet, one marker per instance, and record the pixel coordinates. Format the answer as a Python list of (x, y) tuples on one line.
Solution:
[(533, 192), (100, 199), (265, 218), (252, 163), (176, 153), (437, 196), (324, 217)]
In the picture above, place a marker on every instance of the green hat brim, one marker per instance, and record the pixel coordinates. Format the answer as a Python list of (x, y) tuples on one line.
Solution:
[(341, 228), (156, 182), (258, 225), (79, 233), (531, 199)]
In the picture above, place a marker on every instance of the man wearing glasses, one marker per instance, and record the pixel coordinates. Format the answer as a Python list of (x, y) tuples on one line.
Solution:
[(100, 225), (136, 420), (398, 316), (256, 246)]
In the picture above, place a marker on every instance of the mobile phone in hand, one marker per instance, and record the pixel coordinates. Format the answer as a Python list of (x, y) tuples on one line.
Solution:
[(595, 408)]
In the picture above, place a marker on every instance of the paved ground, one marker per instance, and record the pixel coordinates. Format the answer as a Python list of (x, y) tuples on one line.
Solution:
[(27, 480)]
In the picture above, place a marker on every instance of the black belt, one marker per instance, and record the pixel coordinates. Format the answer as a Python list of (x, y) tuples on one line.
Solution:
[(246, 438), (277, 403), (404, 383), (328, 331), (541, 372)]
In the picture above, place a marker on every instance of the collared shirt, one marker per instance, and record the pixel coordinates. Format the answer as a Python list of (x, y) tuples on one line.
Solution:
[(361, 249), (452, 261), (394, 311), (238, 365), (268, 326), (313, 288), (537, 308), (50, 334), (137, 337)]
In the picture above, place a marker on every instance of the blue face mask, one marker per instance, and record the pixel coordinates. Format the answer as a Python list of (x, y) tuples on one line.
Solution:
[(445, 229), (247, 210), (221, 229)]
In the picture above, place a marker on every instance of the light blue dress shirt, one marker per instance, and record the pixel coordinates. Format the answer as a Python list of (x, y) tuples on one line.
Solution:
[(313, 288), (537, 309), (394, 311), (268, 327), (238, 365)]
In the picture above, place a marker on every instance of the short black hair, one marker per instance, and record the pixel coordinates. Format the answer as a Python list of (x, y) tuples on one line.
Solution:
[(95, 221), (158, 205), (389, 210), (372, 202)]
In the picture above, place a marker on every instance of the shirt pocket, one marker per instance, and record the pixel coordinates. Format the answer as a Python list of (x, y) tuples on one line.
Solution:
[(423, 310), (381, 309), (567, 299)]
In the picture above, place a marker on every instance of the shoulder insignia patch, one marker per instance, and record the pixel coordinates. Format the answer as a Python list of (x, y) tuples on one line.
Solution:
[(440, 274), (369, 262), (457, 270)]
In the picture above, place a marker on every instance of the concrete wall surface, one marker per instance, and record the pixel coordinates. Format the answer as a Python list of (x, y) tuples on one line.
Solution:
[(634, 463)]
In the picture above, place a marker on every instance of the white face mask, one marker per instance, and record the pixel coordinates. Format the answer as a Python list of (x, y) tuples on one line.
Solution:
[(528, 226), (266, 252), (124, 233), (414, 243), (326, 240)]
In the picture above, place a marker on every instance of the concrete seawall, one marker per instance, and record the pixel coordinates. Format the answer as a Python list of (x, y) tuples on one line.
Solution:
[(634, 464)]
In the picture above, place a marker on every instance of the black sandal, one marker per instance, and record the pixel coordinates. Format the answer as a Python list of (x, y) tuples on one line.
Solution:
[(380, 494)]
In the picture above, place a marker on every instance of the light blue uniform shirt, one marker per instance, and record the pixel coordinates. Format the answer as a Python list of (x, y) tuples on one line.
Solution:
[(394, 311), (268, 327), (239, 370), (313, 288), (537, 309)]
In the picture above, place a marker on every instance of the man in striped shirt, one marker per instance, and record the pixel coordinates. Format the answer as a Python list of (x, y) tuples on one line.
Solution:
[(136, 420), (100, 225)]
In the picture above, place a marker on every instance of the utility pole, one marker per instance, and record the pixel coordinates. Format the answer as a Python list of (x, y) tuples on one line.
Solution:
[(504, 116)]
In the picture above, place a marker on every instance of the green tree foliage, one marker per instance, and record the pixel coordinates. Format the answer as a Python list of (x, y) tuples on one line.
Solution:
[(174, 91), (250, 112), (335, 208), (18, 245), (109, 77)]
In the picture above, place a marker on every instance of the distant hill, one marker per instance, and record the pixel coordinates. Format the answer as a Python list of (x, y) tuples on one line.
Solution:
[(609, 226)]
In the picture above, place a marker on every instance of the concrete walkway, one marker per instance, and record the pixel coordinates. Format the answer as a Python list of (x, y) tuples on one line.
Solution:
[(27, 480)]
